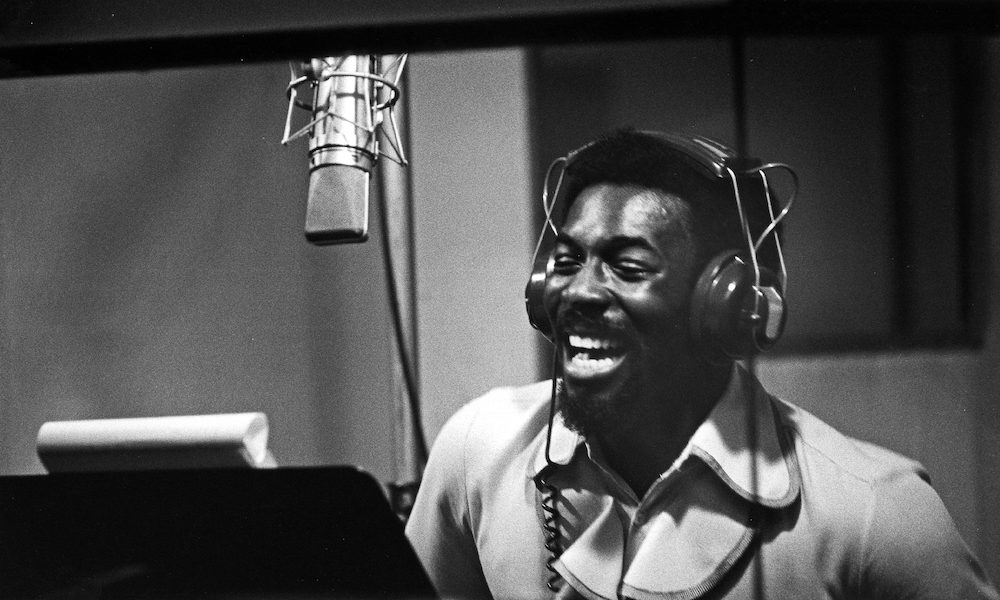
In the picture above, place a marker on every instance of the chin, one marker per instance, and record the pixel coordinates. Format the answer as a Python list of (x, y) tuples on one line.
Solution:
[(596, 412)]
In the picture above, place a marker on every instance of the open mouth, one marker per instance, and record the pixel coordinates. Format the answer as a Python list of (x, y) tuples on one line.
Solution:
[(589, 356)]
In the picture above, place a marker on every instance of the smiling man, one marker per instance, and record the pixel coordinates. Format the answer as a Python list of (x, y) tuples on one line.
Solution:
[(652, 466), (623, 269)]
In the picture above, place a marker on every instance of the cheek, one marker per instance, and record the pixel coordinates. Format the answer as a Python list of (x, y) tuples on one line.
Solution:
[(550, 295), (661, 315)]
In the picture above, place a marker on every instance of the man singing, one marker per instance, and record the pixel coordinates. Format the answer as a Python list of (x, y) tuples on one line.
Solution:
[(653, 465)]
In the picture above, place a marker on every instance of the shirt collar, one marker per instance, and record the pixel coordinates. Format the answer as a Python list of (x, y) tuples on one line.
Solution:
[(753, 456), (756, 462)]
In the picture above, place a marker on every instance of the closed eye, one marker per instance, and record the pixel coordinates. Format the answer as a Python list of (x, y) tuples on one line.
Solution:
[(633, 261), (631, 269), (566, 255), (565, 262)]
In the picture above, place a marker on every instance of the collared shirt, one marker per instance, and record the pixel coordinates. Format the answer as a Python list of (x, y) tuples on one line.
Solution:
[(765, 501)]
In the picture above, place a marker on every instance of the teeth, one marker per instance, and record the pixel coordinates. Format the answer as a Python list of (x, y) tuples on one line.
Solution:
[(577, 341), (592, 364)]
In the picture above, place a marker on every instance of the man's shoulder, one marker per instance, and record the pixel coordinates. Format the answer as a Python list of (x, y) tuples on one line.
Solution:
[(501, 418), (823, 445), (511, 401), (503, 408)]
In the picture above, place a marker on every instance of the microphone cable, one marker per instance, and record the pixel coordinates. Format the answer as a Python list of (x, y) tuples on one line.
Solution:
[(405, 358)]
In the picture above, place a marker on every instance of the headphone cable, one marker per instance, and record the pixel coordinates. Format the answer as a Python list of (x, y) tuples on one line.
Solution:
[(551, 493)]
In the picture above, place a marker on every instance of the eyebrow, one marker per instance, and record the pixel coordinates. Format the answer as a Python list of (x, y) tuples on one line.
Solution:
[(615, 243)]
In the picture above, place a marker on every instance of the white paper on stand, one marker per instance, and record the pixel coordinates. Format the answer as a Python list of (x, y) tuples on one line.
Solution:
[(143, 443)]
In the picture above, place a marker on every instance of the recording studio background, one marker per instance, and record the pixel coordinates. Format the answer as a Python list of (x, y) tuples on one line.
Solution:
[(153, 261)]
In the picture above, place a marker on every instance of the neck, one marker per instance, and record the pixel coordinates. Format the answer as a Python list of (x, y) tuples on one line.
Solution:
[(648, 446)]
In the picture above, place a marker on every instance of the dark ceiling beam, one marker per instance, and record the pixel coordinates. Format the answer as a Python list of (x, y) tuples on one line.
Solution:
[(49, 37)]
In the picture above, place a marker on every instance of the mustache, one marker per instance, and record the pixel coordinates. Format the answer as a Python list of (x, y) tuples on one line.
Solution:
[(573, 318)]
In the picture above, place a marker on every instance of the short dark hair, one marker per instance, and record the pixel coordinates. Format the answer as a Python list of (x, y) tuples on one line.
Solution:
[(631, 157)]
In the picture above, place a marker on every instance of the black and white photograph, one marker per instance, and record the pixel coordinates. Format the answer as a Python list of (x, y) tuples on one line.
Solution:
[(513, 299)]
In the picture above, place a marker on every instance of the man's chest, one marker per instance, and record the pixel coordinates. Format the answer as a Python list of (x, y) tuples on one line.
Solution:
[(688, 538)]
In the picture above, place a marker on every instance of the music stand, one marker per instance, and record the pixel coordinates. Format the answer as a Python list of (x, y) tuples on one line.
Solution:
[(316, 532)]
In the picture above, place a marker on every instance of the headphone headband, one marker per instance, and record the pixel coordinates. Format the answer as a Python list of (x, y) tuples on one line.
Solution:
[(713, 157)]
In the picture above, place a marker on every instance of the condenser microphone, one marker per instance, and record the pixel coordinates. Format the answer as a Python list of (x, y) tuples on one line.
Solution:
[(352, 99), (342, 150)]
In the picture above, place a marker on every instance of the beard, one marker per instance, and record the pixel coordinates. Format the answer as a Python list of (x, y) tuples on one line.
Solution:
[(601, 414)]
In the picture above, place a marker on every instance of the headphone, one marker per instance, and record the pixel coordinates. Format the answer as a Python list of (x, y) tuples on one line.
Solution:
[(737, 306)]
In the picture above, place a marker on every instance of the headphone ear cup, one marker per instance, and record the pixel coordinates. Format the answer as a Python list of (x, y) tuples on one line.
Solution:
[(732, 317), (534, 295)]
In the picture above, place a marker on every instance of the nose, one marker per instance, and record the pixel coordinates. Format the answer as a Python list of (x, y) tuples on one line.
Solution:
[(587, 287)]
